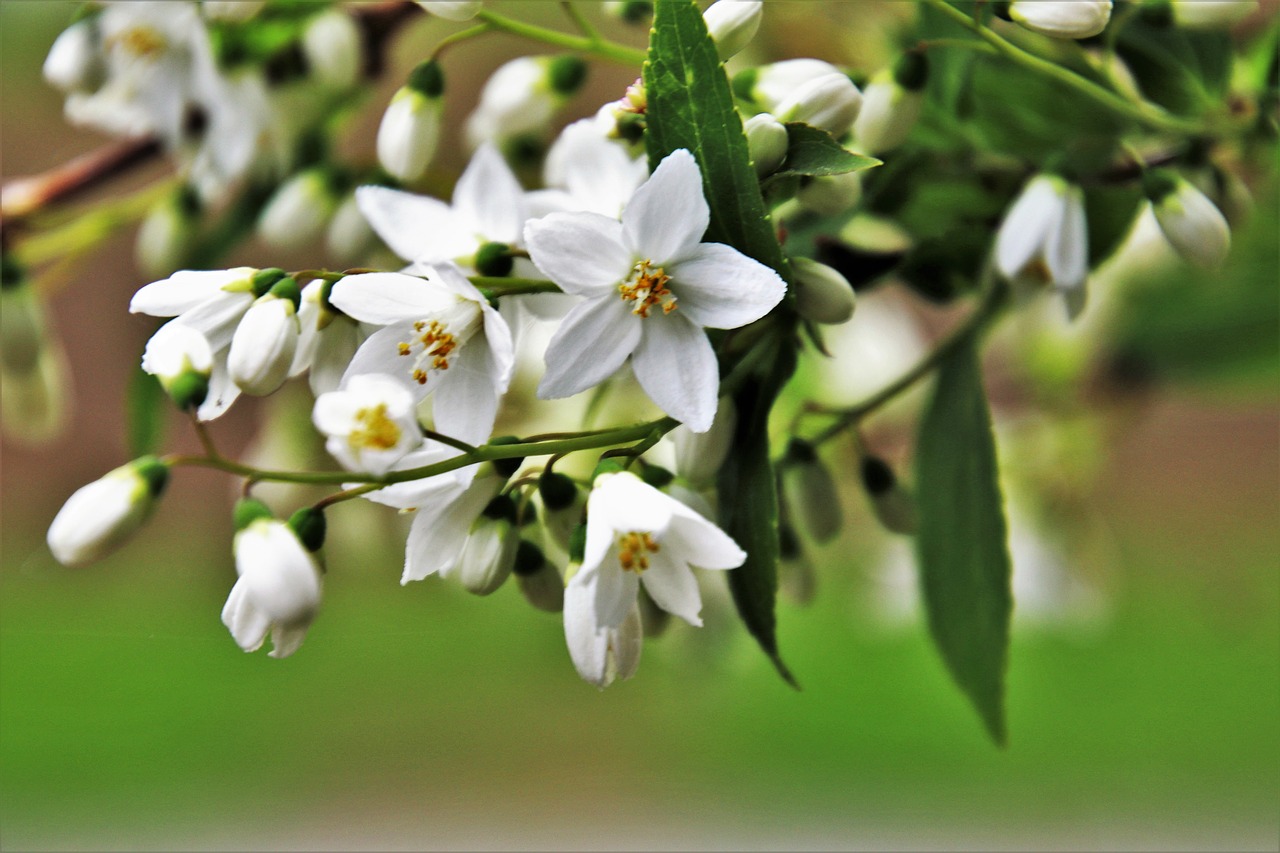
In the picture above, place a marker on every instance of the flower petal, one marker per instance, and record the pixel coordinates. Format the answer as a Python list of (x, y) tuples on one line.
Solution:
[(701, 543), (581, 252), (183, 291), (668, 214), (588, 643), (384, 298), (676, 367), (217, 317), (672, 586), (591, 344), (466, 399), (222, 391), (616, 593), (417, 228), (489, 198), (1066, 253), (1028, 224), (439, 533), (719, 287)]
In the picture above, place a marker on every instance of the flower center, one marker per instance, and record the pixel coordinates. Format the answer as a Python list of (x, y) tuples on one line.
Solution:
[(436, 342), (374, 430), (634, 549), (647, 287), (141, 41)]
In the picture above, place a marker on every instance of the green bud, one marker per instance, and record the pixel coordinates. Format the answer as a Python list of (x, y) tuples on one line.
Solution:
[(1158, 183), (189, 390), (263, 280), (567, 74), (529, 558), (12, 273), (287, 288), (494, 259), (506, 467), (154, 472), (427, 78), (247, 511), (557, 490), (656, 475), (309, 525), (501, 508)]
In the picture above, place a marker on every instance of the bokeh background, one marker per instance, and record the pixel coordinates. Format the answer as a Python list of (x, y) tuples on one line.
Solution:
[(1144, 691)]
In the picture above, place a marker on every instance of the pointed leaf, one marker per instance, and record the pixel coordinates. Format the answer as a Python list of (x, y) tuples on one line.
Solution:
[(813, 151)]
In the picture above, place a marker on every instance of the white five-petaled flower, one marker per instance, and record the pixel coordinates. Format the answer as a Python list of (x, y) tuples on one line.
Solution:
[(441, 337), (651, 286), (600, 654), (278, 590), (370, 422), (638, 535), (488, 207), (1044, 237)]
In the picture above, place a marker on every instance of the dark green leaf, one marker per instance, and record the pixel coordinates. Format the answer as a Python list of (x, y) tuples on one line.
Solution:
[(962, 542), (813, 151), (690, 106), (145, 408)]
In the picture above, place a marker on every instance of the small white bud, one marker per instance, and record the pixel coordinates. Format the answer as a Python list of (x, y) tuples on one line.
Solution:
[(334, 49), (888, 114), (265, 341), (452, 10), (767, 141), (167, 235), (180, 358), (101, 516), (1044, 236), (810, 492), (830, 195), (830, 102), (699, 455), (409, 133), (539, 580), (490, 553), (733, 23), (1191, 223), (1212, 14), (278, 590), (1063, 19), (823, 295), (75, 62), (299, 211), (349, 238)]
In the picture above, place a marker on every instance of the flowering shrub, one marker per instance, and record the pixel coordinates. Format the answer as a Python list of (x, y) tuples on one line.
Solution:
[(704, 233)]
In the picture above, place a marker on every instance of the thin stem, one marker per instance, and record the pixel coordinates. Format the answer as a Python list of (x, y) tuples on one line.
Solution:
[(460, 36), (206, 440), (508, 286), (25, 196), (1148, 114), (993, 300), (602, 48), (579, 20), (449, 440)]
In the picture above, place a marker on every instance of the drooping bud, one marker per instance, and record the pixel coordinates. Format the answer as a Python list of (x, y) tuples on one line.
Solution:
[(892, 504), (334, 49), (76, 62), (101, 516), (540, 582), (810, 491), (490, 553), (562, 505), (520, 98), (633, 12), (891, 105), (266, 340), (279, 586), (410, 128), (1191, 223), (511, 464), (181, 359), (823, 295), (1063, 19), (1044, 235), (733, 23), (309, 525), (494, 259), (830, 195), (169, 232), (699, 455), (830, 102), (767, 142), (349, 238), (296, 215), (33, 368)]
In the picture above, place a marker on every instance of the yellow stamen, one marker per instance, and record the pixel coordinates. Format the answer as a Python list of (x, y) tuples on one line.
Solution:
[(376, 430), (634, 549), (647, 288)]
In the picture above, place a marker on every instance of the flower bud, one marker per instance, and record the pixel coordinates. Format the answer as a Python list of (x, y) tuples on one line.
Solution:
[(562, 506), (410, 128), (75, 62), (767, 140), (830, 195), (166, 236), (231, 10), (830, 102), (892, 504), (630, 11), (452, 10), (1063, 19), (891, 105), (33, 368), (1191, 223), (1211, 14), (296, 215), (349, 238), (521, 96), (796, 576), (539, 581), (101, 516), (334, 49), (699, 455), (823, 295), (265, 341), (490, 553), (733, 23), (180, 357), (810, 492), (278, 590)]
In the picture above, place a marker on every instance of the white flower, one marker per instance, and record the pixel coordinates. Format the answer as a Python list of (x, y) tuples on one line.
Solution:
[(651, 286), (733, 23), (823, 295), (327, 342), (1211, 14), (101, 516), (334, 49), (441, 336), (521, 97), (297, 213), (600, 654), (264, 343), (278, 590), (587, 171), (1191, 223), (75, 62), (767, 140), (409, 133), (809, 91), (1064, 19), (370, 422), (452, 10), (488, 207), (637, 535), (180, 358), (1044, 236), (490, 552)]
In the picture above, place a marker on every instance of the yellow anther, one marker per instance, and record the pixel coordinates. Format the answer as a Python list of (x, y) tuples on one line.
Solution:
[(376, 430), (403, 348), (140, 41), (647, 288), (634, 549)]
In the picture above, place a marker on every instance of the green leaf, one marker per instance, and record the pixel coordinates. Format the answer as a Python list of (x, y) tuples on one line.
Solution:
[(962, 541), (1110, 212), (145, 408), (813, 151), (747, 488), (690, 106)]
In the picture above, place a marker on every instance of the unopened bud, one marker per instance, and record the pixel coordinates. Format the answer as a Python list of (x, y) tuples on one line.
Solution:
[(889, 112), (823, 295), (309, 525), (490, 552), (296, 215), (733, 23), (810, 492), (767, 141), (410, 128), (539, 581), (101, 516), (892, 504), (1191, 223), (265, 341), (699, 455), (76, 62), (1063, 19), (830, 195), (181, 359), (633, 12), (830, 102), (168, 233), (334, 49)]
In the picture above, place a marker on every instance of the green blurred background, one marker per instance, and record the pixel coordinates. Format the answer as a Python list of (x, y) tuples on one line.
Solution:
[(422, 717)]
